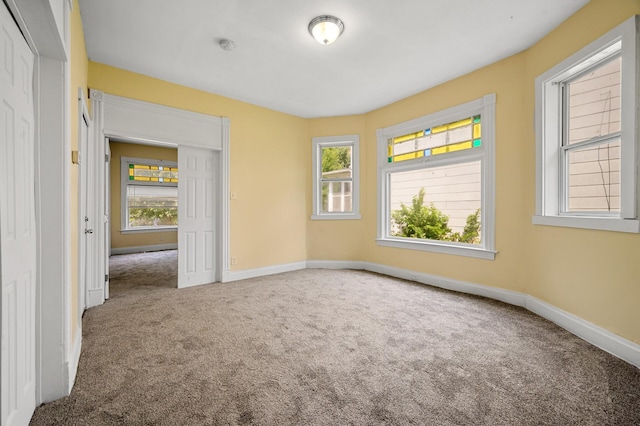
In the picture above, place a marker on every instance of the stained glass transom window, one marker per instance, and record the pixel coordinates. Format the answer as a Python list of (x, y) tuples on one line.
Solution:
[(151, 173), (456, 136)]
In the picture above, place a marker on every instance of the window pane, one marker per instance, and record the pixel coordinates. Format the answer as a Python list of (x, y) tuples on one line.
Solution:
[(153, 173), (152, 205), (594, 178), (456, 136), (594, 103), (336, 197), (336, 162), (439, 203)]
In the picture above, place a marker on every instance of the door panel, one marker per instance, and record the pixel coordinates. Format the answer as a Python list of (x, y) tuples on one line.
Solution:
[(82, 214), (196, 216), (88, 218), (17, 225)]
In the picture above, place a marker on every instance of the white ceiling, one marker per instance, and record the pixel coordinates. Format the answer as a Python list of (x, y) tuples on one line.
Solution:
[(389, 49)]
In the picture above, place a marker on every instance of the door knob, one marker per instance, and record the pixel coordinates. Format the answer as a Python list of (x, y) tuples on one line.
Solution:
[(88, 231)]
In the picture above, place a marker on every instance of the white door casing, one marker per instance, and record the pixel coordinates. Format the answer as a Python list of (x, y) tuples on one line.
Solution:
[(196, 216), (17, 225), (107, 209)]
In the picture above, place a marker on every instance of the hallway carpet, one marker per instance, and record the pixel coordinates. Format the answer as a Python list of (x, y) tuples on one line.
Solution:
[(327, 347)]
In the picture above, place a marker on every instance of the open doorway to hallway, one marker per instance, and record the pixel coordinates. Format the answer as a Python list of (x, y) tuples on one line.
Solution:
[(143, 186)]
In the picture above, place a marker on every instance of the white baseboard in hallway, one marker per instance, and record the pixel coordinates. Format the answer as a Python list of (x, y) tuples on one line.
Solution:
[(142, 249)]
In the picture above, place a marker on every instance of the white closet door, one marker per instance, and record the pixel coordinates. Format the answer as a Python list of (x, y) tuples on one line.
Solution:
[(196, 216), (17, 225)]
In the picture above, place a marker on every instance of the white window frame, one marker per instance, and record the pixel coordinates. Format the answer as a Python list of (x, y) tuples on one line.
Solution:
[(318, 143), (485, 107), (125, 182), (550, 186)]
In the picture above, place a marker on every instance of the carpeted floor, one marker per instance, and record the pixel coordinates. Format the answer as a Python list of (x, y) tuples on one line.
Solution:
[(325, 347)]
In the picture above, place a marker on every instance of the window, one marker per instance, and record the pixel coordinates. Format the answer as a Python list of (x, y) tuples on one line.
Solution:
[(149, 191), (436, 181), (586, 136), (335, 177)]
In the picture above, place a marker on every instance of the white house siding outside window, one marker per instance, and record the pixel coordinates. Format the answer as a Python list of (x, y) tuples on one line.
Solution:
[(591, 146)]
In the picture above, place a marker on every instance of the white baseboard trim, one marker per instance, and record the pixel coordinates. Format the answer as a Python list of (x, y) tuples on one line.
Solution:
[(74, 358), (142, 249), (597, 336), (228, 276), (335, 264), (507, 296)]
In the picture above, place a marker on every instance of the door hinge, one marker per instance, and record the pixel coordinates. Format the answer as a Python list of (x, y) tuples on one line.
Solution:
[(106, 158), (106, 278)]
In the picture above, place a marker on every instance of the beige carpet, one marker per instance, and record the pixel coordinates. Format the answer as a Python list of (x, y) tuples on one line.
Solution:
[(324, 347)]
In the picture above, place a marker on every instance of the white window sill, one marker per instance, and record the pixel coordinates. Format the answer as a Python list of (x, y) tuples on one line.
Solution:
[(435, 247), (595, 223), (147, 230), (335, 216)]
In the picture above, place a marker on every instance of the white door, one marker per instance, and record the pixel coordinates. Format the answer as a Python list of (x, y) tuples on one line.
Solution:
[(196, 218), (96, 231), (86, 213), (17, 225)]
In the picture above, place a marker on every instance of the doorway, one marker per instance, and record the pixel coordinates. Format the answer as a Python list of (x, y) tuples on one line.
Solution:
[(143, 201), (134, 121), (147, 198)]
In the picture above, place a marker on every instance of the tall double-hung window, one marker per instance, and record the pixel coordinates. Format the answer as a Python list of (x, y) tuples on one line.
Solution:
[(336, 177), (149, 191), (436, 181), (587, 136)]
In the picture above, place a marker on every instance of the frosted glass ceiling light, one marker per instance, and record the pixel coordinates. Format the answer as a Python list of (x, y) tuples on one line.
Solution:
[(326, 29)]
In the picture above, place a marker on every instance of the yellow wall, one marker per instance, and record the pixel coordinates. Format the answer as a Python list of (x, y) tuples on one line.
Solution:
[(268, 214), (79, 74), (504, 79), (334, 239), (118, 239), (592, 274)]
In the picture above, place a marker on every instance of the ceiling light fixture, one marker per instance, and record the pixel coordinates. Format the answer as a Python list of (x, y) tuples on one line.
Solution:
[(326, 29)]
